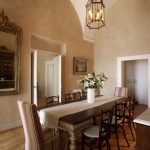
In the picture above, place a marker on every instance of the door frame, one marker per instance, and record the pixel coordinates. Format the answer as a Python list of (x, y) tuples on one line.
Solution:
[(33, 80)]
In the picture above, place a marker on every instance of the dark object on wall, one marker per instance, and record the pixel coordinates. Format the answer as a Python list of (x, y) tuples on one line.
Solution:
[(80, 66), (10, 37)]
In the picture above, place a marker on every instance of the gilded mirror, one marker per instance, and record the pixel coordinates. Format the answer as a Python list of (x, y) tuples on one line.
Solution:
[(10, 45)]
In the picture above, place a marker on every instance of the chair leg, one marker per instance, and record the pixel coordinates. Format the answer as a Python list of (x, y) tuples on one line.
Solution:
[(125, 136), (108, 144), (116, 132), (82, 142), (91, 146), (99, 144), (131, 130)]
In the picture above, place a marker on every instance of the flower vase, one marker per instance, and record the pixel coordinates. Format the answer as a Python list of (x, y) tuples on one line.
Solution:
[(90, 95)]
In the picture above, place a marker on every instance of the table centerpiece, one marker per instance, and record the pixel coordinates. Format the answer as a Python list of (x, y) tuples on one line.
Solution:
[(90, 82)]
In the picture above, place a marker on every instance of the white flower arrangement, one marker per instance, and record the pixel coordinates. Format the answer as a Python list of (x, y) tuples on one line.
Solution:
[(92, 81)]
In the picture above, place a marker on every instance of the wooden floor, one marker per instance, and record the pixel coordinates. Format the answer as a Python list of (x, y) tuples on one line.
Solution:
[(14, 139)]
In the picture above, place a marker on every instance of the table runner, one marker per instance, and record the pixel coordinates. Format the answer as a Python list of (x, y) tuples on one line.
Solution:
[(50, 116)]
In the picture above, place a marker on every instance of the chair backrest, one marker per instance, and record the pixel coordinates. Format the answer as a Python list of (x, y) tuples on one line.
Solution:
[(130, 106), (121, 91), (52, 99), (106, 121), (77, 96), (119, 111), (83, 95), (32, 128), (69, 97)]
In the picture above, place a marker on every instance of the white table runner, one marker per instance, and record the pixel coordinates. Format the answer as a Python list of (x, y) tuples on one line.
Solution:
[(50, 116)]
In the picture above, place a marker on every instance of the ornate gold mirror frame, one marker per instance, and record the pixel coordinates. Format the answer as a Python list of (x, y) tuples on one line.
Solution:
[(10, 29)]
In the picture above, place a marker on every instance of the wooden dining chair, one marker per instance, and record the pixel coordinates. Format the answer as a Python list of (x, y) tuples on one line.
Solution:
[(129, 114), (69, 97), (36, 136), (52, 100), (83, 95), (121, 92), (77, 96), (100, 132), (118, 120)]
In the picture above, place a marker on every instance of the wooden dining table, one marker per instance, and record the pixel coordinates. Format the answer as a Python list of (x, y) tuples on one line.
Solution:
[(75, 116)]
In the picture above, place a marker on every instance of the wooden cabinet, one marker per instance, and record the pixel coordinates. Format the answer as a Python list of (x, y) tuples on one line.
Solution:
[(142, 137)]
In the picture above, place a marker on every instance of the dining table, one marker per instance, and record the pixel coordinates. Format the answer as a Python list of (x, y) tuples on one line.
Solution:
[(75, 116)]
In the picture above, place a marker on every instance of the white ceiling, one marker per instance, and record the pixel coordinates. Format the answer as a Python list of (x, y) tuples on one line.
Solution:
[(79, 6)]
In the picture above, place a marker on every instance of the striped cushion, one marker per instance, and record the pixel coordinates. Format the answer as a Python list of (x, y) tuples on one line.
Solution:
[(32, 128), (121, 91)]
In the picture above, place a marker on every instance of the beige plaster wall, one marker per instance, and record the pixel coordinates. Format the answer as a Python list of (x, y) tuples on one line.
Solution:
[(52, 19), (127, 32)]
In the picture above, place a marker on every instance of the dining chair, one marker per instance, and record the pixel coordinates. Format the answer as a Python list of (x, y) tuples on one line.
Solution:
[(77, 96), (121, 92), (69, 97), (52, 99), (83, 95), (36, 136), (129, 114), (118, 120), (100, 132)]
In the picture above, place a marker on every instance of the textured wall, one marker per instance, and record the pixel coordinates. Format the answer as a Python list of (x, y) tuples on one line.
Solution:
[(126, 33), (51, 19)]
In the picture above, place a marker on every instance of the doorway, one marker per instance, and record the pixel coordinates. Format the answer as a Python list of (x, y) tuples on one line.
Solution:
[(135, 78), (46, 73), (121, 70)]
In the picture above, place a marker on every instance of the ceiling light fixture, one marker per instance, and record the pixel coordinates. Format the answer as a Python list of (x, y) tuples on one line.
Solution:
[(95, 14)]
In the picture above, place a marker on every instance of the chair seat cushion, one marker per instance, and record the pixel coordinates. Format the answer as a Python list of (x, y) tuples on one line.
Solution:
[(92, 132)]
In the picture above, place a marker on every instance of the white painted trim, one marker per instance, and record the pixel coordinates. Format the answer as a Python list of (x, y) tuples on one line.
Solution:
[(44, 51), (35, 77), (60, 77), (120, 61), (10, 125)]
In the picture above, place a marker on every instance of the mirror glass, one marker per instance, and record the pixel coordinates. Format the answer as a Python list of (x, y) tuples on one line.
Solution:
[(8, 48), (10, 45)]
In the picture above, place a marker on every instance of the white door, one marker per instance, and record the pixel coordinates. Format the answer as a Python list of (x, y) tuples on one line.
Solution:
[(58, 75), (34, 76), (53, 77), (49, 79)]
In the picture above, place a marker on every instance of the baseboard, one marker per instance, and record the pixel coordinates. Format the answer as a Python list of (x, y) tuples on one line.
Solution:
[(10, 125)]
